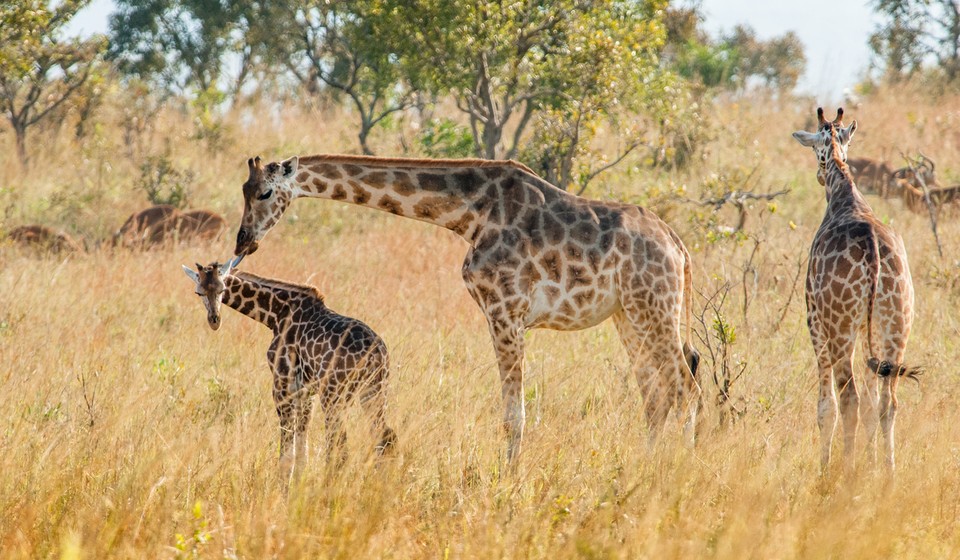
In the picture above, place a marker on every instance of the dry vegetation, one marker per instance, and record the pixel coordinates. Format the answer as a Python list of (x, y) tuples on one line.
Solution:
[(132, 430)]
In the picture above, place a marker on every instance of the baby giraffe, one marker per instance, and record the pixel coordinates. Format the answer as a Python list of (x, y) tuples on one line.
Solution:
[(314, 350)]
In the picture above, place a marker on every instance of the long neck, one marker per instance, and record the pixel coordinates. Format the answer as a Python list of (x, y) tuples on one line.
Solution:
[(255, 300), (842, 192), (453, 194)]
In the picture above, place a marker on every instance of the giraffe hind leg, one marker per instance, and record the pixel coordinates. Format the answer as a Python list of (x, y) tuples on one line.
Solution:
[(659, 364), (373, 399)]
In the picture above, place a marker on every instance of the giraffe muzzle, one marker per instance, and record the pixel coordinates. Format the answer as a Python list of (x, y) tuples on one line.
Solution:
[(213, 321), (246, 244)]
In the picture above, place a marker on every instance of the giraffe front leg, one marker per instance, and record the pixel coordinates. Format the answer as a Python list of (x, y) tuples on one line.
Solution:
[(285, 410), (302, 411), (508, 344)]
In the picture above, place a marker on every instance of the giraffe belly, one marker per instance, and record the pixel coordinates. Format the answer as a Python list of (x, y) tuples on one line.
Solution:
[(553, 308)]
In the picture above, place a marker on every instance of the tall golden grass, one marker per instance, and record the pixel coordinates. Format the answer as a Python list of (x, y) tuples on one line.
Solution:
[(130, 429)]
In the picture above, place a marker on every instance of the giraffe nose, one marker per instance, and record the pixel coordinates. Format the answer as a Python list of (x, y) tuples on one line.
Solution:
[(214, 321), (243, 237)]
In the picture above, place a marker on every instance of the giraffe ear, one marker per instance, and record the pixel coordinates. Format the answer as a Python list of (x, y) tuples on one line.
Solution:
[(808, 139), (846, 134), (290, 166), (191, 273)]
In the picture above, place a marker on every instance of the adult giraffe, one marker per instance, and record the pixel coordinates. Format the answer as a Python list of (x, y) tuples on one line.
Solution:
[(539, 257), (858, 282)]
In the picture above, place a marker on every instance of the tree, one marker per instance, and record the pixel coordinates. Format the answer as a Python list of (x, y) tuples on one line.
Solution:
[(915, 31), (344, 46), (738, 59), (39, 70), (608, 77), (490, 56), (185, 45)]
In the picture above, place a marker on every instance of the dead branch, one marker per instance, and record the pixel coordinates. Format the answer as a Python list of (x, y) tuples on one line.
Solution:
[(926, 199)]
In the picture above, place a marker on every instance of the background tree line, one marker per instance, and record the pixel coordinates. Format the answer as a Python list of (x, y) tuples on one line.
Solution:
[(527, 79)]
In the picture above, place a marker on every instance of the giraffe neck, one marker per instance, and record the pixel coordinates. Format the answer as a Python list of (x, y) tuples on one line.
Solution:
[(453, 194), (842, 192), (267, 301)]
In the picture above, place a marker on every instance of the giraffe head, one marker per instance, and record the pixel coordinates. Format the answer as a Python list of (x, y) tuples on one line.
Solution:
[(266, 194), (209, 285), (821, 140)]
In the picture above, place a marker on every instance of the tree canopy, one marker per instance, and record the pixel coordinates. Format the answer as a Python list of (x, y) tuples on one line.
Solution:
[(40, 70)]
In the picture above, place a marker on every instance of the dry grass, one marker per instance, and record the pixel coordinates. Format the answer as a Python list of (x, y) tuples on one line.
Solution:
[(132, 430)]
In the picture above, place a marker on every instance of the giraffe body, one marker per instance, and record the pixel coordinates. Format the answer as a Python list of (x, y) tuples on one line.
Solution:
[(539, 257), (858, 284), (314, 351)]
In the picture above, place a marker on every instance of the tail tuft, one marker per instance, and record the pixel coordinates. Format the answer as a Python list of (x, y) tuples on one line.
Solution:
[(886, 369)]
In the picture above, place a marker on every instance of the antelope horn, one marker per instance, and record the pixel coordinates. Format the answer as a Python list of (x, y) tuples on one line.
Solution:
[(820, 119), (928, 160), (839, 119)]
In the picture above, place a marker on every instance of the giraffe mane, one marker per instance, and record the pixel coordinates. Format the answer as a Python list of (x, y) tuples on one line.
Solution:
[(302, 289), (834, 142), (374, 161)]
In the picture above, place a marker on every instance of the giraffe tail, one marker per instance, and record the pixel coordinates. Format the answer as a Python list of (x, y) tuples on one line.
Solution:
[(874, 287), (886, 369), (883, 368)]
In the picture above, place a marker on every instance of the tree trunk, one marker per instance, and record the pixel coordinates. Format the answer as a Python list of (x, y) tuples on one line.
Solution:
[(21, 134), (364, 133)]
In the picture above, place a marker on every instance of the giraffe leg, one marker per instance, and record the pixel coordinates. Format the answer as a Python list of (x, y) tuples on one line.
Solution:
[(896, 321), (894, 349), (849, 407), (826, 409), (374, 403), (286, 412), (888, 417), (870, 406), (303, 410), (336, 438), (660, 368), (508, 343)]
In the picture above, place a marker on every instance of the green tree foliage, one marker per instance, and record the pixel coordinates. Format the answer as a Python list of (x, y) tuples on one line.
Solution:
[(184, 45), (915, 31), (346, 46), (734, 61), (40, 70), (495, 58), (564, 70), (607, 78)]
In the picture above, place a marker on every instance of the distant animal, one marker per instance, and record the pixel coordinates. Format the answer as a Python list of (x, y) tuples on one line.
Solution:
[(940, 197), (858, 285), (134, 232), (313, 350), (163, 223), (43, 238), (192, 225), (873, 176)]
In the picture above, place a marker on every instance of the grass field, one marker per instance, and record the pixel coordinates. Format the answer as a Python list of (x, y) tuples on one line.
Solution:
[(130, 429)]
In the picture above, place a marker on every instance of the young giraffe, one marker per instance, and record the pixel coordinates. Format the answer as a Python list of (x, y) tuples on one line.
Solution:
[(313, 349), (858, 282), (539, 257)]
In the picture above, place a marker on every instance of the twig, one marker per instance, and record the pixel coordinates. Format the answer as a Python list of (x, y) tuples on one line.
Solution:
[(928, 202), (793, 289)]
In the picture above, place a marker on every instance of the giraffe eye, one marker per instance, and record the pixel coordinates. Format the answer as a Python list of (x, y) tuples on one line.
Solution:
[(265, 195)]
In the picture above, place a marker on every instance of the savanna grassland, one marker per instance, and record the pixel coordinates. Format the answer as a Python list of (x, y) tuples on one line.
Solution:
[(131, 430)]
